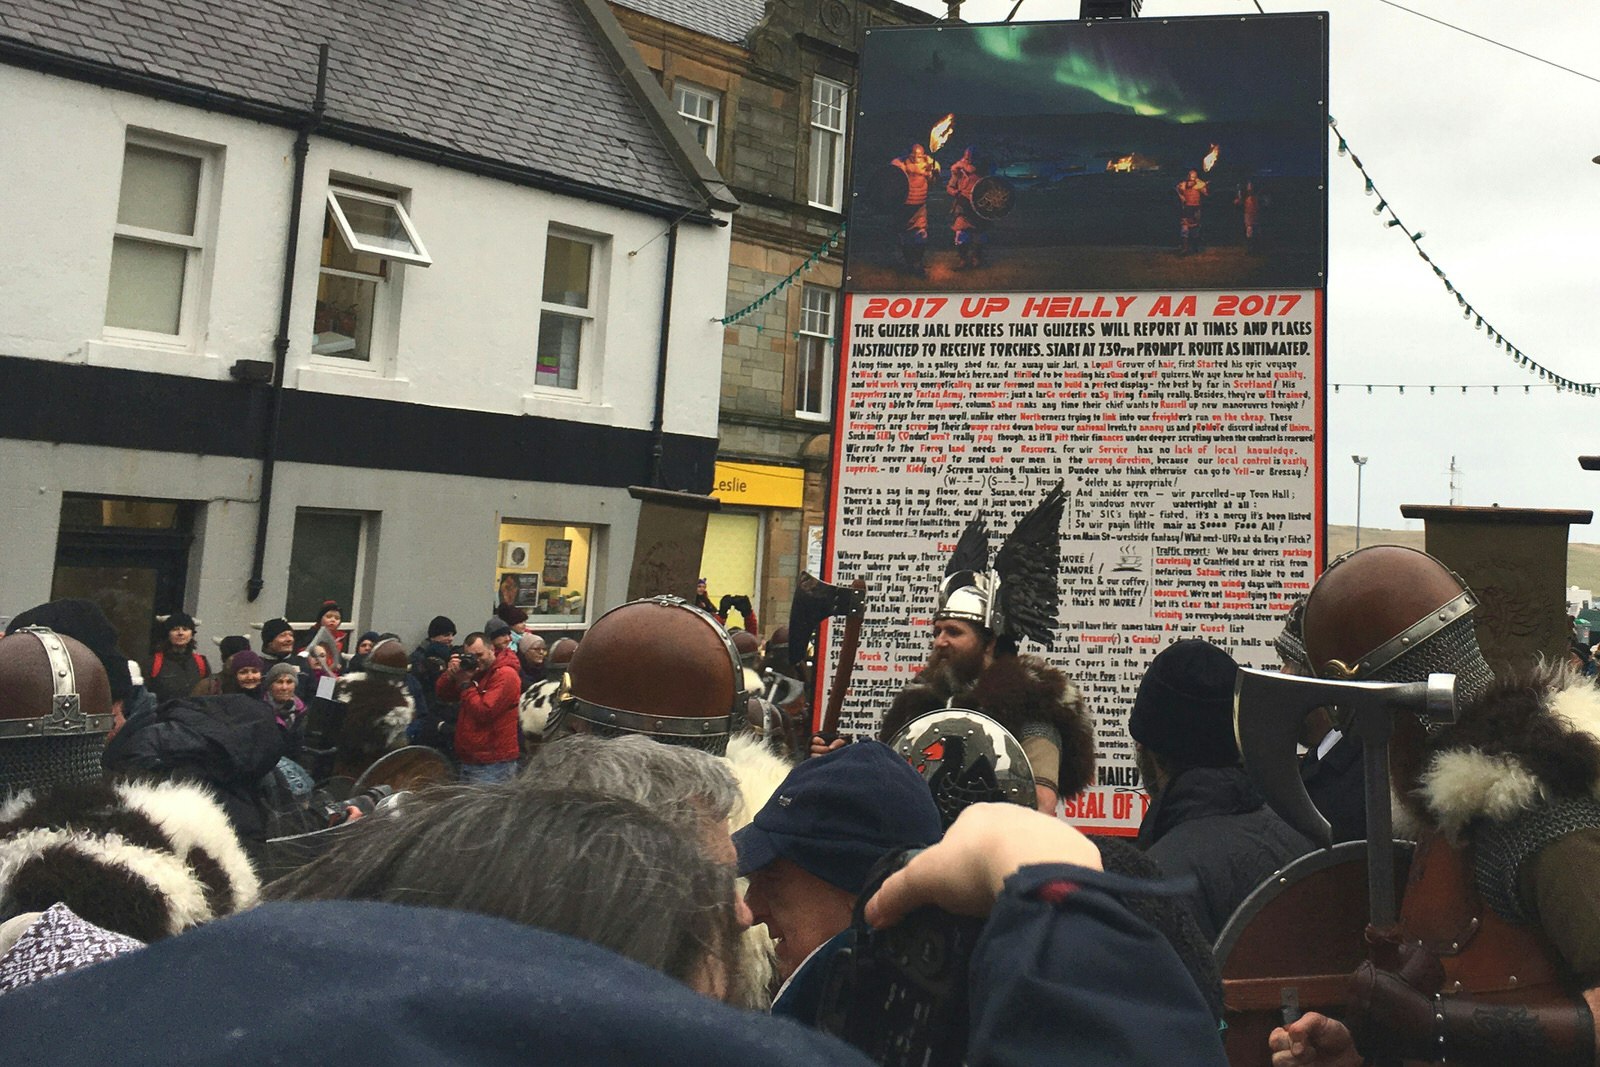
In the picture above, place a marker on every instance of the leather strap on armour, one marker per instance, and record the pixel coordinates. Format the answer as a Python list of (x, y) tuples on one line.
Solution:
[(1393, 1019)]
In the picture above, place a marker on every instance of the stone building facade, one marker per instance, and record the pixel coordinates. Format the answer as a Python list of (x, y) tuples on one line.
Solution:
[(768, 88)]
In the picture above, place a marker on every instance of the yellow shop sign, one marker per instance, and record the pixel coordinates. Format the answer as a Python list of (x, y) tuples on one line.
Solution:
[(757, 485)]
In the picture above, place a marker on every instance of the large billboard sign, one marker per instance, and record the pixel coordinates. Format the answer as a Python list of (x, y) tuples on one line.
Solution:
[(1093, 253)]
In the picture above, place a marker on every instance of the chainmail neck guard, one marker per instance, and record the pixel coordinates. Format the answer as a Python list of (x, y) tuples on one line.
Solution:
[(38, 763), (1453, 650)]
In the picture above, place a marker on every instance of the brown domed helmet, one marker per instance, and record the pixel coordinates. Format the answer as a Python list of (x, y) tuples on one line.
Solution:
[(660, 667), (748, 645), (1393, 614), (388, 659), (55, 711), (560, 655)]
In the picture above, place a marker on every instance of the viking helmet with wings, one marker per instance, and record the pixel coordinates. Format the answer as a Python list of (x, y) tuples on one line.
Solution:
[(1018, 597)]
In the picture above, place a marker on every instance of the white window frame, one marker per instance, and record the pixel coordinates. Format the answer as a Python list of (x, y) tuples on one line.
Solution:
[(539, 622), (682, 89), (823, 130), (828, 340), (385, 326), (355, 244), (590, 334), (197, 262)]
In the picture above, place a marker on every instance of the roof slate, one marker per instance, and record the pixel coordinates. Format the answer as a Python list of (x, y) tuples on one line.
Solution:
[(726, 20), (521, 82)]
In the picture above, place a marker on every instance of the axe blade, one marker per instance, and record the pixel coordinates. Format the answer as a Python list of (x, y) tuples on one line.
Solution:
[(1269, 707), (1267, 716), (815, 600)]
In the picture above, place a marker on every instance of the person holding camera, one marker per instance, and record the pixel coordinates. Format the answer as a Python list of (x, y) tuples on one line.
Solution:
[(488, 688)]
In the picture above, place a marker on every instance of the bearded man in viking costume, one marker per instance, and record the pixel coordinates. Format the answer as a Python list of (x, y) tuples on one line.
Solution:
[(982, 616), (1496, 957)]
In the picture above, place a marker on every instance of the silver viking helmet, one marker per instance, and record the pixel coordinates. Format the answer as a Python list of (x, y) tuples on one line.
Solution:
[(1018, 597)]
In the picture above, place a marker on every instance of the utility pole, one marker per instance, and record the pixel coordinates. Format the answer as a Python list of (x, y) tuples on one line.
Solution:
[(1455, 485), (1360, 462)]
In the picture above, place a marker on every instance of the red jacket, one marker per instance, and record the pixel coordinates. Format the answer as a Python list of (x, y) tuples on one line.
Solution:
[(486, 726)]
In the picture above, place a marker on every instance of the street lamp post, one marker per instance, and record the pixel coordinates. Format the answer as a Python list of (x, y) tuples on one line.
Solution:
[(1360, 462)]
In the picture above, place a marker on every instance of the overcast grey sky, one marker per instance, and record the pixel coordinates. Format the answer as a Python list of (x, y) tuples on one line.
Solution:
[(1489, 153)]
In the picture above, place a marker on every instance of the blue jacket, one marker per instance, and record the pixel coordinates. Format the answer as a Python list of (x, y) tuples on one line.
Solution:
[(802, 997), (1077, 982)]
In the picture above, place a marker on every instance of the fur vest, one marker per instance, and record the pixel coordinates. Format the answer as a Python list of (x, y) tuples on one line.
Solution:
[(1520, 771), (377, 711), (1530, 741), (1015, 691), (143, 859)]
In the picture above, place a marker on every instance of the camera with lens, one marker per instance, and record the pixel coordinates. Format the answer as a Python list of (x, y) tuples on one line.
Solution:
[(469, 661), (900, 994)]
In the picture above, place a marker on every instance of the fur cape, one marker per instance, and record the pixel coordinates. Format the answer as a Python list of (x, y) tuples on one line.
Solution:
[(759, 770), (537, 707), (1014, 691), (143, 859), (377, 711), (1532, 739)]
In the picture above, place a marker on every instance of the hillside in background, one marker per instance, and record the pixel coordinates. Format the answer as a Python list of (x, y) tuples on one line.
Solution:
[(1583, 561)]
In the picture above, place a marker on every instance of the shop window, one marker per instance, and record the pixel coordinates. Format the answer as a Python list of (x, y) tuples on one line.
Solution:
[(814, 362), (158, 251), (326, 562), (829, 100), (545, 569), (700, 108), (365, 235), (731, 563)]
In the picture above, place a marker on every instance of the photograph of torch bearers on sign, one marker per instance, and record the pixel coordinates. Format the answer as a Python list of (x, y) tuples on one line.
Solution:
[(1122, 154)]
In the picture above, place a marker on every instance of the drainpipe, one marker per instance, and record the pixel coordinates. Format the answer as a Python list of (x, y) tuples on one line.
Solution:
[(658, 426), (280, 344)]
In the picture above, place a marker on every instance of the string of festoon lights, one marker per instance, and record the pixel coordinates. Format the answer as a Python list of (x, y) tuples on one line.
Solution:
[(822, 250), (1549, 379)]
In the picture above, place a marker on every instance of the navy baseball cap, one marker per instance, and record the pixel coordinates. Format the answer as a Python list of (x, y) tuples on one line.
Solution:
[(836, 815)]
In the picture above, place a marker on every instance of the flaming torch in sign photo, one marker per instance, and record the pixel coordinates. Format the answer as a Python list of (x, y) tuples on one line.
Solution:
[(941, 133), (1210, 159)]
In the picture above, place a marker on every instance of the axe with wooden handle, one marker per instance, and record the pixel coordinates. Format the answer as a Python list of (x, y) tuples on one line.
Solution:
[(815, 600)]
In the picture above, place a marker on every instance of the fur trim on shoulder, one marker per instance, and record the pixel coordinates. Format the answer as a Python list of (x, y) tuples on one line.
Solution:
[(143, 893), (14, 804), (202, 836), (1531, 739), (377, 711), (143, 859), (759, 770), (537, 705)]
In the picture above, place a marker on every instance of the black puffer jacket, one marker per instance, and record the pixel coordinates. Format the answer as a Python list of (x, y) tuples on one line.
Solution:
[(1211, 824), (229, 743)]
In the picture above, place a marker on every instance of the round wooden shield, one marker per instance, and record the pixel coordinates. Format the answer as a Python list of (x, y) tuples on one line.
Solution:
[(409, 768), (886, 189), (1292, 945), (993, 198)]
